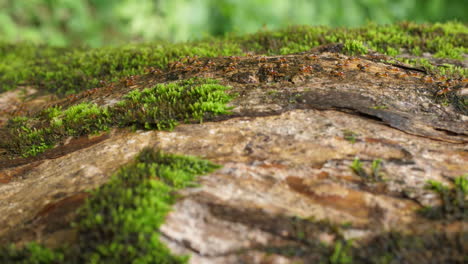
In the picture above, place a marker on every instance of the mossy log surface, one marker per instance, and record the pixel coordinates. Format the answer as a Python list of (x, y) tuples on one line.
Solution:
[(332, 145)]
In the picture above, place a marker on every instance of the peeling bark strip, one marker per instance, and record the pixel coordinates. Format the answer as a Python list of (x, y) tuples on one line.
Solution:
[(321, 148)]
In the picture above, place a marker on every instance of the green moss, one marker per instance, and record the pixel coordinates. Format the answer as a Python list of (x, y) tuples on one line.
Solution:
[(373, 176), (119, 222), (164, 105), (451, 71), (449, 28), (454, 200), (64, 71), (32, 253), (341, 253), (354, 47), (67, 71), (160, 107), (388, 39), (350, 136)]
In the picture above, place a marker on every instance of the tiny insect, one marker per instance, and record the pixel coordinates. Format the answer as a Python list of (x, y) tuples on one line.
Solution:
[(94, 90), (443, 91), (337, 73), (393, 69), (110, 86), (189, 68), (449, 82), (428, 79), (362, 67), (129, 81), (400, 75), (229, 69), (176, 65), (197, 63), (204, 68), (234, 58), (374, 57), (306, 69), (72, 97), (191, 59), (273, 73), (282, 60), (153, 70), (210, 63)]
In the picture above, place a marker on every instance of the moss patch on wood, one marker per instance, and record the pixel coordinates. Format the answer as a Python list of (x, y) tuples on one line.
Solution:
[(31, 253), (119, 222), (454, 201), (160, 107), (70, 70)]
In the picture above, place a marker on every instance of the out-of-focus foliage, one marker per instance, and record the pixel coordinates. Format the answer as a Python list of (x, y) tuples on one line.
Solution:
[(102, 22)]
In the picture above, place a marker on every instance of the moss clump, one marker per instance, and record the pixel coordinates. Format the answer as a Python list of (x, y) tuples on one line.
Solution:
[(64, 71), (454, 200), (446, 70), (350, 136), (119, 222), (164, 105), (375, 173), (160, 107), (384, 39), (354, 47), (32, 253), (29, 136), (341, 253)]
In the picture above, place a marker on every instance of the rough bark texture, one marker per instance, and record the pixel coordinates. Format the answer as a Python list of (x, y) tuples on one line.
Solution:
[(298, 123)]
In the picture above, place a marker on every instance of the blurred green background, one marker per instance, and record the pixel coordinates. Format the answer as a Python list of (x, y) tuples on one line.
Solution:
[(109, 22)]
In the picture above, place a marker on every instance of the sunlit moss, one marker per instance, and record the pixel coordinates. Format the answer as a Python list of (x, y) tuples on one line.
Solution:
[(65, 71), (354, 47), (161, 107), (119, 223), (32, 253)]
